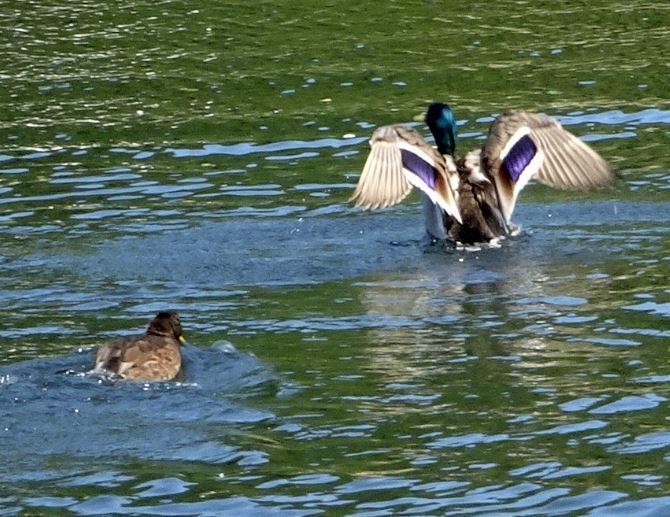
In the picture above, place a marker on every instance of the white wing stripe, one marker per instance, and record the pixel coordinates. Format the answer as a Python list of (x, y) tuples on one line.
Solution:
[(518, 135), (530, 171), (433, 195), (415, 150)]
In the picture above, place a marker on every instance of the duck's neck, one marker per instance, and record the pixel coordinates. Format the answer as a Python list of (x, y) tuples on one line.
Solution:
[(157, 329), (442, 124)]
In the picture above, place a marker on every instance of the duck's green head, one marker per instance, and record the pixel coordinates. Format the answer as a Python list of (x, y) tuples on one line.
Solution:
[(442, 124)]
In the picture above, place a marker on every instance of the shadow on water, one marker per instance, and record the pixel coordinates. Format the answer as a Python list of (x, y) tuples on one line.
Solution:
[(57, 415)]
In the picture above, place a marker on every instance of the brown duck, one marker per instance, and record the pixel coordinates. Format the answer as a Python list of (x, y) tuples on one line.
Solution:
[(471, 199), (152, 356)]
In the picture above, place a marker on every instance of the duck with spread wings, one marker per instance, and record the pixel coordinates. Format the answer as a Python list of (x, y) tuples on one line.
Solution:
[(471, 199)]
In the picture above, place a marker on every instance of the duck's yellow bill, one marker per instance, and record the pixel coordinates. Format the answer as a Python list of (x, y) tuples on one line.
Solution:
[(182, 339)]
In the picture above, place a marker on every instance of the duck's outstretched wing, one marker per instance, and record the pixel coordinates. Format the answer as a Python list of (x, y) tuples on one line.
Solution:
[(399, 159), (524, 145)]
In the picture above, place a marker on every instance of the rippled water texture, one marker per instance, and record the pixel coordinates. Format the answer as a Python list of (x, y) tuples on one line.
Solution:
[(199, 157)]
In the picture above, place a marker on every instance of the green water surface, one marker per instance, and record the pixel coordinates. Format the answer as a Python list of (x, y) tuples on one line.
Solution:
[(199, 156)]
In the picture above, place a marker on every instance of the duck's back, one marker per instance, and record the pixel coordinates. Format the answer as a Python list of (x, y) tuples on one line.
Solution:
[(479, 209), (143, 357)]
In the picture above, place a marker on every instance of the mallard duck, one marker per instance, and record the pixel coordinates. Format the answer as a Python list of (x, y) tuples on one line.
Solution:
[(152, 356), (471, 199)]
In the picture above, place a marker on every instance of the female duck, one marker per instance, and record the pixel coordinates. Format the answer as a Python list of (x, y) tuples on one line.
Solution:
[(152, 356), (471, 199)]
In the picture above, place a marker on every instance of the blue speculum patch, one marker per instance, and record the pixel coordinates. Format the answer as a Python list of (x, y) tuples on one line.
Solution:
[(519, 157), (419, 166)]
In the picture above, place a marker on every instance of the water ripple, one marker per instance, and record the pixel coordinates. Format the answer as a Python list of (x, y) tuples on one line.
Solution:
[(130, 411), (629, 403), (643, 443), (246, 148), (193, 156)]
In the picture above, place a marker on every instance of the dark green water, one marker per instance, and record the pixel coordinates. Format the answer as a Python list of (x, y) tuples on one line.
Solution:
[(199, 157)]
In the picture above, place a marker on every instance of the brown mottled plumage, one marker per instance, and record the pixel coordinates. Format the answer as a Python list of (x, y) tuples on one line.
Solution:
[(471, 199), (152, 356), (477, 202)]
